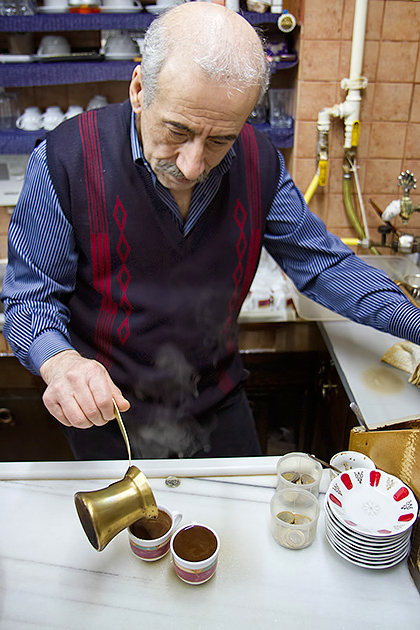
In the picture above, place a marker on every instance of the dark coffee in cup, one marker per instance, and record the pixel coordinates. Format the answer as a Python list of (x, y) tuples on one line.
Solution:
[(151, 528), (195, 543)]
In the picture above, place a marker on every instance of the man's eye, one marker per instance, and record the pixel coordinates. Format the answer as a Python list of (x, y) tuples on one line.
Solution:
[(218, 143), (179, 135)]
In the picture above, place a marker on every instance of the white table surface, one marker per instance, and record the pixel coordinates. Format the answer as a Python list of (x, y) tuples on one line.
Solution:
[(382, 391), (51, 577)]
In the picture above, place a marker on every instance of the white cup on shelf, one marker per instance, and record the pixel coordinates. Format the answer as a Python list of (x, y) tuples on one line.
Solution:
[(120, 4), (52, 117), (73, 110), (30, 120), (61, 5), (54, 45), (97, 101), (121, 45)]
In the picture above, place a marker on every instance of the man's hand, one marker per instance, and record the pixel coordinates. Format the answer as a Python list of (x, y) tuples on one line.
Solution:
[(79, 391)]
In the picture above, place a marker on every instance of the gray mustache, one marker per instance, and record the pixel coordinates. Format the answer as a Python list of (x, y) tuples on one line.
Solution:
[(171, 169)]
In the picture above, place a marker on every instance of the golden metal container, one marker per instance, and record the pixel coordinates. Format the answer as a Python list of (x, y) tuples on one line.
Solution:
[(106, 512)]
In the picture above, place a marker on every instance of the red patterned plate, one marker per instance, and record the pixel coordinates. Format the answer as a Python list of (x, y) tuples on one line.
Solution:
[(372, 502)]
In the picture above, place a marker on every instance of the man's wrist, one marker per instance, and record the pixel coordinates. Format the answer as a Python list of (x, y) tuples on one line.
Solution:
[(51, 363), (46, 345)]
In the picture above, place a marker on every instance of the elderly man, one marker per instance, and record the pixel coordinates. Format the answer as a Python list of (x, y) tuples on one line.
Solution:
[(136, 238)]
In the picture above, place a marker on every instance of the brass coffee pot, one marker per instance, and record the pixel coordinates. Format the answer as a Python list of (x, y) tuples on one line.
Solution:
[(106, 512)]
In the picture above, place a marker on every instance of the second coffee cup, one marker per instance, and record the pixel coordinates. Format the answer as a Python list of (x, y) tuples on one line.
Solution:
[(150, 538), (195, 549)]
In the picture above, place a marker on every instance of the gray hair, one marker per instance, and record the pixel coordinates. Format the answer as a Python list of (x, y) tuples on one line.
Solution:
[(238, 63)]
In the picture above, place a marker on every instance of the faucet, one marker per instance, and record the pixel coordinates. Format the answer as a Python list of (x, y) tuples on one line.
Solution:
[(407, 182)]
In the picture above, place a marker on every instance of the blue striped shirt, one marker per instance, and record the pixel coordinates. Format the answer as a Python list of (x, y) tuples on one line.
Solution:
[(43, 261)]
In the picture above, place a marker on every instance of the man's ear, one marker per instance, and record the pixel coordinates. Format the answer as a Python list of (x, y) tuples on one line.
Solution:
[(136, 89)]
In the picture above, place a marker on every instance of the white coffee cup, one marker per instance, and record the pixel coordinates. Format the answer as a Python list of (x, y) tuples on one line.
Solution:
[(56, 4), (30, 120), (156, 544), (120, 4), (195, 549), (121, 45), (73, 110), (97, 101), (167, 4), (54, 45), (52, 117)]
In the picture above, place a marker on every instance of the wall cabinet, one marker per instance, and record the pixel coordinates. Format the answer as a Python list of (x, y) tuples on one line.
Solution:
[(27, 431), (76, 71)]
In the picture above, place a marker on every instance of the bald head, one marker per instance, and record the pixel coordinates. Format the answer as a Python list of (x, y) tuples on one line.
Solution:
[(213, 38)]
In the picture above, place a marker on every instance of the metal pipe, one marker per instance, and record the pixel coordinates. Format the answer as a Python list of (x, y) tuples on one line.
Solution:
[(351, 212)]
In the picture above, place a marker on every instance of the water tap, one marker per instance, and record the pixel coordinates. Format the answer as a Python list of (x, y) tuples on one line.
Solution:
[(407, 182)]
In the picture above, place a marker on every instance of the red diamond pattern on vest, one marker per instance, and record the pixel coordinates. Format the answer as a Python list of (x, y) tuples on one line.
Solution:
[(124, 276)]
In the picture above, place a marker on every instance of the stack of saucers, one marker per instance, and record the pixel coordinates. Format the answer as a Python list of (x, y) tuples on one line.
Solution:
[(369, 515)]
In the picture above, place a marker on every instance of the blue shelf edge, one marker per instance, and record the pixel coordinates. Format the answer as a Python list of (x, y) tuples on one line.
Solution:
[(18, 142), (63, 73), (98, 21)]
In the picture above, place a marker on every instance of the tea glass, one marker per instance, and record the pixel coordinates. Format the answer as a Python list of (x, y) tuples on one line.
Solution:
[(150, 548), (195, 550), (281, 107), (298, 470), (9, 110), (294, 517)]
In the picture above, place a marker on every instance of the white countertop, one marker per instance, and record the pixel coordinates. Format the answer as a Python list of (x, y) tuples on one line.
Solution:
[(382, 391), (51, 577)]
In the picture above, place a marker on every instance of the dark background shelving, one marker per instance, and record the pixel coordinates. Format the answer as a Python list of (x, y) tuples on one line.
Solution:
[(53, 73)]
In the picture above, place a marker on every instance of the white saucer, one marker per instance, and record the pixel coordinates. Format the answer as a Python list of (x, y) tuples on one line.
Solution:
[(121, 56), (158, 9), (372, 502), (52, 10), (366, 564), (6, 58), (132, 9)]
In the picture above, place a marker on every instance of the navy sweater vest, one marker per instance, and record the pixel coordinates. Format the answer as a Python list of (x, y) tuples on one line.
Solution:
[(158, 309)]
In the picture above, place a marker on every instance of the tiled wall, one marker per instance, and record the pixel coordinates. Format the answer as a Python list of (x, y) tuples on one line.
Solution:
[(390, 109)]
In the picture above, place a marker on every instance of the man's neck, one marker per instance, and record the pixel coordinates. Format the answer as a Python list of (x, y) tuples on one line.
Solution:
[(183, 199)]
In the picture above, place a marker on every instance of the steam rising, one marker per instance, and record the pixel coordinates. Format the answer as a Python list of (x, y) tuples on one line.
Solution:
[(167, 428)]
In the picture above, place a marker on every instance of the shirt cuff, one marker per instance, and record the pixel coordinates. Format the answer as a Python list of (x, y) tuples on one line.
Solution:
[(405, 322), (46, 345)]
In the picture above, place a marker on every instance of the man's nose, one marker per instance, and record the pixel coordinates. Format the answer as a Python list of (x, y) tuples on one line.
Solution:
[(190, 160)]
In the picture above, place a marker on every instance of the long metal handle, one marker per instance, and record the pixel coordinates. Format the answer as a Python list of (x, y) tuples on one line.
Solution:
[(355, 409), (123, 431)]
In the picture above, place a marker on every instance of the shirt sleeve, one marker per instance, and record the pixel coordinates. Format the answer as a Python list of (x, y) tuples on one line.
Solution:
[(41, 270), (327, 271)]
